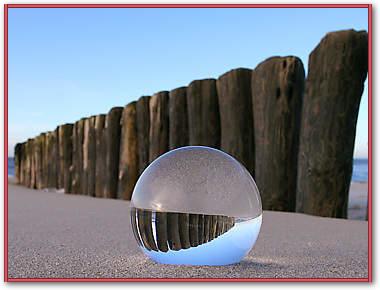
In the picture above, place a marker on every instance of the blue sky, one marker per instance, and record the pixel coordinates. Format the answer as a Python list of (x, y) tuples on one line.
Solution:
[(65, 64)]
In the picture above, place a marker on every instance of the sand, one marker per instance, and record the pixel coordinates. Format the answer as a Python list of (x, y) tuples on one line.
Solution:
[(52, 234)]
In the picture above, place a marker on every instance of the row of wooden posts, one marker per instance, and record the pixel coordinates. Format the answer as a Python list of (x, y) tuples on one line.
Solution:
[(295, 136)]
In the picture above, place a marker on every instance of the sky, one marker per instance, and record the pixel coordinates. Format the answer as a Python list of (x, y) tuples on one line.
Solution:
[(65, 64)]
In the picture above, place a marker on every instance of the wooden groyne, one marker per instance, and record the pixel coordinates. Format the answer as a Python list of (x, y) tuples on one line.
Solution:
[(294, 135)]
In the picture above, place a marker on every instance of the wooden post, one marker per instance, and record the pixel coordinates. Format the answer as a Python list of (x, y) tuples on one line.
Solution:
[(235, 104), (334, 86), (159, 125), (38, 160), (89, 157), (86, 158), (28, 162), (77, 166), (85, 148), (47, 160), (100, 155), (21, 158), (91, 154), (17, 161), (203, 113), (178, 125), (112, 135), (143, 128), (44, 161), (58, 185), (51, 159), (65, 133), (60, 170), (128, 163), (24, 163), (32, 164), (277, 92)]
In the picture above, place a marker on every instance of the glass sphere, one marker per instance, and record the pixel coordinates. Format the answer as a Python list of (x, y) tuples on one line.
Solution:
[(196, 205)]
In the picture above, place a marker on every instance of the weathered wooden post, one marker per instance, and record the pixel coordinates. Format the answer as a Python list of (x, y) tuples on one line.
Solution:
[(51, 159), (44, 161), (143, 128), (17, 161), (77, 157), (112, 134), (235, 105), (28, 163), (89, 157), (159, 125), (277, 92), (203, 113), (334, 86), (32, 164), (38, 159), (91, 154), (47, 160), (178, 125), (65, 155), (60, 173), (22, 163), (86, 146), (100, 155), (128, 163), (56, 158)]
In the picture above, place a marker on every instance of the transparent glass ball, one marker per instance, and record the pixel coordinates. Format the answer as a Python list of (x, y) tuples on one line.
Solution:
[(196, 206)]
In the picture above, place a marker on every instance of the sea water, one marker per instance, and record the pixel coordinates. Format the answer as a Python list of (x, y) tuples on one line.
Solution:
[(194, 239)]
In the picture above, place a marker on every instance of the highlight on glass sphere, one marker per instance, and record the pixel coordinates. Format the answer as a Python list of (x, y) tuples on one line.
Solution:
[(196, 205)]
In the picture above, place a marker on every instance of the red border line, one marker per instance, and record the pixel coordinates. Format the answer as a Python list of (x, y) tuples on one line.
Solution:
[(188, 280), (187, 5), (7, 279), (5, 143), (370, 143)]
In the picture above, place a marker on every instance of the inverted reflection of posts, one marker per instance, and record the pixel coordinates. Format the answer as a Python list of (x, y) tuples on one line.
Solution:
[(161, 231), (177, 231), (183, 221), (144, 223), (174, 239), (193, 227), (134, 226)]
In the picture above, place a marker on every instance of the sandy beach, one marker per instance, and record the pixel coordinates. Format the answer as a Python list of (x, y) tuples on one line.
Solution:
[(69, 236)]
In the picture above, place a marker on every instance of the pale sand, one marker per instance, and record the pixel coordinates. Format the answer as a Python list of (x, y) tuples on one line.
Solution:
[(56, 235)]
